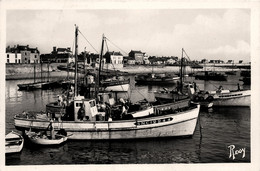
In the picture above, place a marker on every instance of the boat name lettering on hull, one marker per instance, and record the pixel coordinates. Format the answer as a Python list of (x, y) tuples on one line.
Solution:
[(153, 121)]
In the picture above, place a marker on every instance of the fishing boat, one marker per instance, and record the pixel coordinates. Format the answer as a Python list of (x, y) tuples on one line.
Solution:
[(41, 139), (40, 84), (118, 85), (224, 97), (13, 143), (94, 119), (182, 91), (156, 79), (215, 76)]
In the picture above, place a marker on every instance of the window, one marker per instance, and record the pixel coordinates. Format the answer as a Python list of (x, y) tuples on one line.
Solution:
[(7, 55), (19, 61), (35, 56), (78, 104), (7, 60), (92, 104), (25, 59), (25, 53), (15, 60)]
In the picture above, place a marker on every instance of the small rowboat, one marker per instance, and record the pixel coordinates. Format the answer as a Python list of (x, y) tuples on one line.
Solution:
[(38, 138), (13, 142)]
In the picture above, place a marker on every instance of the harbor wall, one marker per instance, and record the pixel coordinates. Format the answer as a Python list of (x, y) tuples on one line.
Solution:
[(26, 71)]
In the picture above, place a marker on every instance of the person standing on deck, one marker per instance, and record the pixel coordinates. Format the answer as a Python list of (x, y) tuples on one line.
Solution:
[(50, 128), (81, 113)]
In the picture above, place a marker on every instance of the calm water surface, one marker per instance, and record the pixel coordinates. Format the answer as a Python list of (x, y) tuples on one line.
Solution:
[(221, 127)]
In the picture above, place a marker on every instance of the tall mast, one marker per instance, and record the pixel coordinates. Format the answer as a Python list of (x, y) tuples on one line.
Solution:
[(48, 71), (181, 74), (41, 70), (34, 72), (100, 63), (84, 67), (76, 61)]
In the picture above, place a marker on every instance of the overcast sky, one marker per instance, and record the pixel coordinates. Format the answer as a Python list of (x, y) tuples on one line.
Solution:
[(203, 33)]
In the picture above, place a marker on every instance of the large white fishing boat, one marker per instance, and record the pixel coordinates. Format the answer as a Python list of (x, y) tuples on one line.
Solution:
[(166, 120), (102, 118)]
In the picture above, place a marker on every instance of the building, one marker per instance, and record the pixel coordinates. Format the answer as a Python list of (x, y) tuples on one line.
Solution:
[(216, 61), (58, 55), (129, 60), (230, 61), (138, 56), (204, 61), (172, 61), (22, 54), (113, 60)]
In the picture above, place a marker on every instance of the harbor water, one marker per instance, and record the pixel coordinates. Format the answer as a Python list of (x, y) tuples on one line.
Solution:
[(219, 130)]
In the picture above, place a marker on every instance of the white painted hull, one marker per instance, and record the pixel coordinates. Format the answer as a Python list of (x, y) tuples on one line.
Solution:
[(14, 143), (178, 124), (230, 99), (43, 141), (121, 88), (237, 101)]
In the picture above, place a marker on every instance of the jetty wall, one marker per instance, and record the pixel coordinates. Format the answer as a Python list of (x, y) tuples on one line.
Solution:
[(26, 71)]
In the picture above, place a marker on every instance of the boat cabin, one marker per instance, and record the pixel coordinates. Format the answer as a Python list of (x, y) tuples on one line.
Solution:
[(85, 109)]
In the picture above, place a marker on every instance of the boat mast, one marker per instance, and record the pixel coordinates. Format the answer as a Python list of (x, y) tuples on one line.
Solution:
[(100, 64), (181, 74), (34, 72), (84, 67), (76, 61), (41, 70), (48, 71)]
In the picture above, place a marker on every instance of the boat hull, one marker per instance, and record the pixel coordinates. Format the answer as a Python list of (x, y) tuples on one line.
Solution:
[(237, 101), (171, 125), (14, 143), (122, 87), (45, 141), (156, 81)]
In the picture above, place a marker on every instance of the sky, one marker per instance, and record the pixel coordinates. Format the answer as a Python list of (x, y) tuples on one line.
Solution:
[(204, 33)]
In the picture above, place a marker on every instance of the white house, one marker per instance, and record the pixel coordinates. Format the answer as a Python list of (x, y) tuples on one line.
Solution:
[(113, 60), (14, 58)]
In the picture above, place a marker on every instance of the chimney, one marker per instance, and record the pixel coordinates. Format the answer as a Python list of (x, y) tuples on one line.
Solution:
[(54, 48), (68, 48)]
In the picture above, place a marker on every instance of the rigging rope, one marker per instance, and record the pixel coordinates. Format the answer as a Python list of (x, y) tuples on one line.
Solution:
[(87, 41), (116, 46), (115, 69)]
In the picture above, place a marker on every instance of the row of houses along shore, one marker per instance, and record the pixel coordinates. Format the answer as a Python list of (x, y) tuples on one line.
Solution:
[(20, 54)]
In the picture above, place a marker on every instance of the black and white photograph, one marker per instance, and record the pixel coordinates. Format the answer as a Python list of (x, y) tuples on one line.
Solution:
[(137, 85)]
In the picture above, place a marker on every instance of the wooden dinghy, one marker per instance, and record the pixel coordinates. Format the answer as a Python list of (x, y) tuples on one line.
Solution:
[(41, 139), (13, 143)]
